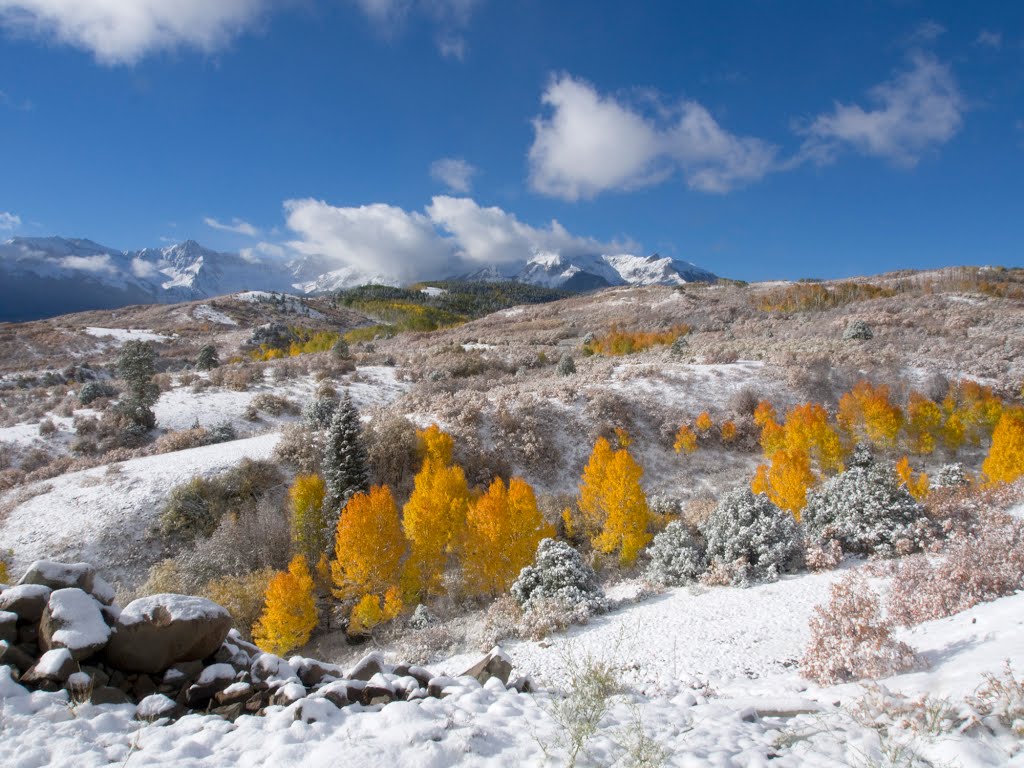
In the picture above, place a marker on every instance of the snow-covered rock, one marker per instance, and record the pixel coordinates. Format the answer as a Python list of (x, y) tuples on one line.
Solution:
[(60, 575), (154, 632), (74, 620), (27, 600)]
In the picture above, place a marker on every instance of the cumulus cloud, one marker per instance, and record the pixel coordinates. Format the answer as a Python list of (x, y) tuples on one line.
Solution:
[(452, 235), (9, 221), (591, 143), (454, 172), (95, 264), (124, 31), (237, 226), (917, 110)]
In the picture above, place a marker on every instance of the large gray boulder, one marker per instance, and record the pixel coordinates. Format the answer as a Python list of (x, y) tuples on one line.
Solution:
[(28, 601), (73, 620), (153, 633)]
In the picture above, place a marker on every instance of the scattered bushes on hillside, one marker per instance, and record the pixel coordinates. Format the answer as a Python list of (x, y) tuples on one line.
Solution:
[(677, 558), (241, 595), (391, 450), (750, 539), (867, 511), (851, 640), (300, 447), (196, 507), (976, 568), (559, 574), (619, 341), (274, 405)]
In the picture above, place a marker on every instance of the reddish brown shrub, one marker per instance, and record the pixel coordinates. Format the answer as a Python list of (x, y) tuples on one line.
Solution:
[(851, 640)]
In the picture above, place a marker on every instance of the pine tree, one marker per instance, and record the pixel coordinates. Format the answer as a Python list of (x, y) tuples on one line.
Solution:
[(289, 613), (504, 528), (311, 531), (345, 467), (434, 518), (207, 358), (368, 545), (1005, 460), (136, 365)]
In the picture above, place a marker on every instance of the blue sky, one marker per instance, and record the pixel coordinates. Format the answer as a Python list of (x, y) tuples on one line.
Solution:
[(757, 139)]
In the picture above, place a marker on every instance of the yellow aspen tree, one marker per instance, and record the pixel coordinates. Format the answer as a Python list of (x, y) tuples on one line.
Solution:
[(368, 545), (289, 612), (686, 440), (503, 529), (979, 410), (917, 485), (371, 610), (591, 491), (311, 534), (924, 424), (867, 413), (1005, 460), (953, 432), (622, 438), (786, 480), (764, 412), (728, 431), (434, 518), (626, 513), (703, 423), (807, 429)]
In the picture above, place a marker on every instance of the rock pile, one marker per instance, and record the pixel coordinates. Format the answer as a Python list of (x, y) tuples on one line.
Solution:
[(60, 629)]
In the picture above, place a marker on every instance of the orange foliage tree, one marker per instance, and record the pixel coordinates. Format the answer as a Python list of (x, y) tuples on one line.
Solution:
[(866, 413), (1005, 460), (434, 518), (289, 611), (924, 423), (704, 423), (686, 440), (612, 504), (917, 485), (976, 410), (504, 527), (368, 545), (728, 431)]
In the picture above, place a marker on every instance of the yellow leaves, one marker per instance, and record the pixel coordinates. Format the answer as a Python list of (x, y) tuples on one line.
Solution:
[(368, 546), (977, 408), (289, 613), (3, 572), (310, 529), (786, 480), (504, 527), (728, 431), (807, 429), (369, 612), (704, 423), (1005, 460), (686, 440), (764, 413), (613, 509), (434, 518), (918, 485), (924, 423), (622, 438), (622, 342), (867, 413)]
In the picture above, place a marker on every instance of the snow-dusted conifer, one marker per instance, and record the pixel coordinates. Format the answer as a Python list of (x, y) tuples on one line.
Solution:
[(207, 358), (566, 366), (559, 573), (951, 476), (866, 510), (319, 412), (750, 538), (136, 365), (677, 558), (344, 468)]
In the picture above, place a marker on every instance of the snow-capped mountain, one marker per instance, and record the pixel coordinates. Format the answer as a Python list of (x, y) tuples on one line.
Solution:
[(47, 276)]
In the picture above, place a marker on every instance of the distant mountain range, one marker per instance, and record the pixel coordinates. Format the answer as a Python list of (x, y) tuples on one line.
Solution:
[(48, 276)]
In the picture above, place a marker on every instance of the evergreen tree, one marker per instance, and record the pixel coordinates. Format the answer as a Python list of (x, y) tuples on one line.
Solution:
[(207, 358), (137, 366), (345, 467)]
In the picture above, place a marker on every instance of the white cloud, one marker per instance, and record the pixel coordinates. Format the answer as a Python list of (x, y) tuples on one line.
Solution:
[(9, 221), (920, 108), (123, 31), (97, 264), (452, 236), (377, 238), (450, 17), (990, 39), (492, 236), (144, 269), (257, 253), (237, 226), (592, 143), (453, 172)]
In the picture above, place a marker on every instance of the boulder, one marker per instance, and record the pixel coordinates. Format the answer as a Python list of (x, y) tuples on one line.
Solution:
[(106, 694), (12, 656), (54, 666), (153, 633), (236, 693), (312, 672), (8, 627), (73, 620), (60, 575), (157, 706), (287, 694), (212, 681), (371, 664), (28, 601), (494, 664)]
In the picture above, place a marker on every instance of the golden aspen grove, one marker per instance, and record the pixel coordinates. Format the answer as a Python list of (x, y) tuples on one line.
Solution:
[(289, 613)]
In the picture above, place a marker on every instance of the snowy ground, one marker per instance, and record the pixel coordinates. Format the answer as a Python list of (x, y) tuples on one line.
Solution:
[(725, 696)]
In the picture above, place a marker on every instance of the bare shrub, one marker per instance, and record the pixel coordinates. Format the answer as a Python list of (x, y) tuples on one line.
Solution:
[(274, 405), (392, 450), (1002, 697), (976, 569), (744, 401), (823, 555), (33, 459), (422, 646), (182, 440), (241, 595), (301, 448), (851, 640), (502, 621)]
